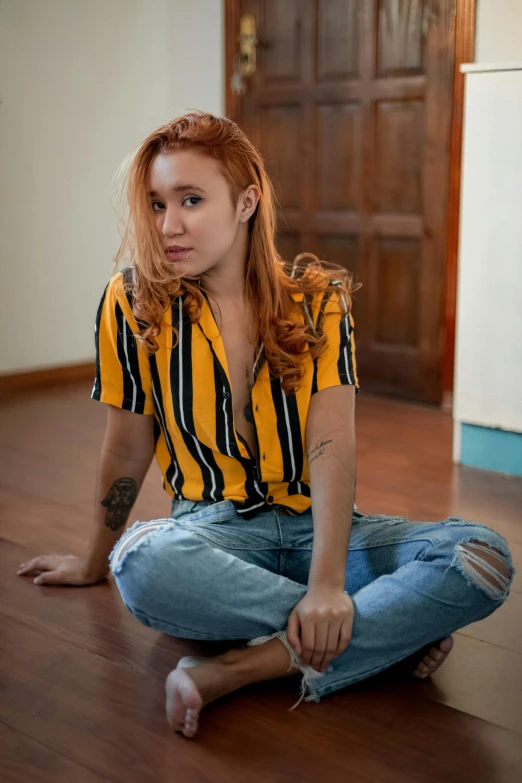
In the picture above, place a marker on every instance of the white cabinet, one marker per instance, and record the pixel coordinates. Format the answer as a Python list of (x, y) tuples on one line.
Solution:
[(488, 351)]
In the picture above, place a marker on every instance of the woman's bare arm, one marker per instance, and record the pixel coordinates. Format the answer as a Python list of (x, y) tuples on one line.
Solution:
[(320, 626), (126, 455), (330, 445)]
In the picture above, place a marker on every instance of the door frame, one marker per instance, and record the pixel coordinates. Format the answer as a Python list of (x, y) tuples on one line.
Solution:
[(231, 19), (465, 23)]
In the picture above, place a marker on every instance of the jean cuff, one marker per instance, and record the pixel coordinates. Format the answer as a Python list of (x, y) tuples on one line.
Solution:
[(309, 674)]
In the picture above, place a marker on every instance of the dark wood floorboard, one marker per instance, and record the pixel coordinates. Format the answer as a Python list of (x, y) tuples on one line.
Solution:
[(24, 759), (82, 682)]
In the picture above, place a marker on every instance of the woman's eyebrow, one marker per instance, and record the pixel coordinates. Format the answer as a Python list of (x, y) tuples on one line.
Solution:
[(179, 189)]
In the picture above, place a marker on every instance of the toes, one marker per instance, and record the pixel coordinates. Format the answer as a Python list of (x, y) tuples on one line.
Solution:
[(441, 650), (446, 645), (191, 723), (191, 717), (184, 703), (188, 725), (188, 728), (432, 659)]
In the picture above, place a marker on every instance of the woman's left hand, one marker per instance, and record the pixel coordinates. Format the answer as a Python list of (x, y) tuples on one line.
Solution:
[(320, 626)]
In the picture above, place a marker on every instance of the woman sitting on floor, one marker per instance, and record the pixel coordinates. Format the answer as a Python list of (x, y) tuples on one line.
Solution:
[(238, 371)]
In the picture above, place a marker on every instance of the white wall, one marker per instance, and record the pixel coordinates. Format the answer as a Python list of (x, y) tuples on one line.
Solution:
[(498, 31), (81, 84), (197, 55)]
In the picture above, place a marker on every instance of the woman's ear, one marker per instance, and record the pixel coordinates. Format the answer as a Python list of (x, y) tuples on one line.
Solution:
[(248, 202)]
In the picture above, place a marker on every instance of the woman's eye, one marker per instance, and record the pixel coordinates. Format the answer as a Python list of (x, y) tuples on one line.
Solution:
[(190, 201), (194, 199)]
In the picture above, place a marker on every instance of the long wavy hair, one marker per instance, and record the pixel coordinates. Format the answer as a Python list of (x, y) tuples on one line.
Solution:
[(269, 280)]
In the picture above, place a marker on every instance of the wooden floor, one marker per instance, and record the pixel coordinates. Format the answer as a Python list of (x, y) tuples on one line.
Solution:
[(82, 694)]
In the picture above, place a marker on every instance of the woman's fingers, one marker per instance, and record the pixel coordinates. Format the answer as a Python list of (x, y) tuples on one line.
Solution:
[(49, 578), (330, 640), (36, 564), (332, 645), (292, 633), (345, 634), (321, 641), (46, 566), (308, 641)]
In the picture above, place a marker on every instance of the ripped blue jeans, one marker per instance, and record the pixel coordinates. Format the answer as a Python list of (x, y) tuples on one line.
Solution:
[(207, 573)]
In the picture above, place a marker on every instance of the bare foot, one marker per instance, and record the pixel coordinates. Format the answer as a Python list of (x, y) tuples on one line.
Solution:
[(198, 681), (431, 657), (189, 691)]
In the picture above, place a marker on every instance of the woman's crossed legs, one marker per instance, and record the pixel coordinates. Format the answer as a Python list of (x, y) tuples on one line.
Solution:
[(212, 575)]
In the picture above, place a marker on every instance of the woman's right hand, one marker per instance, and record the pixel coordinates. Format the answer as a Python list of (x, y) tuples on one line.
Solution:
[(61, 570)]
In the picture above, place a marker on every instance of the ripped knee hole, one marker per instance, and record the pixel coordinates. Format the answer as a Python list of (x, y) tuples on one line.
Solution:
[(124, 545), (486, 566)]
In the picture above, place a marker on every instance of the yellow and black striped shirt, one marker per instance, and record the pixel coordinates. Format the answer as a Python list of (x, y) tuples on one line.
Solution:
[(187, 388)]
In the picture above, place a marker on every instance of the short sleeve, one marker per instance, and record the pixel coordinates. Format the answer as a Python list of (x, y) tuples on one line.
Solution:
[(336, 366), (123, 374)]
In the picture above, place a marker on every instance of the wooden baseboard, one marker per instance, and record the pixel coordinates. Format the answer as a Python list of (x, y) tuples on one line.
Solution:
[(51, 376)]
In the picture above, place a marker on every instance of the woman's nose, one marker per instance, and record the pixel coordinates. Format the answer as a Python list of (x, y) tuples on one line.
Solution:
[(172, 223)]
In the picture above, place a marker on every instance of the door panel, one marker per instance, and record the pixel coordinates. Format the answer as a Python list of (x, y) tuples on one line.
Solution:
[(351, 108), (399, 132)]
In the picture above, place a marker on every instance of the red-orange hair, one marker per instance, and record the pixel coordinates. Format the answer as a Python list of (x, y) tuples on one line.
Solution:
[(268, 284)]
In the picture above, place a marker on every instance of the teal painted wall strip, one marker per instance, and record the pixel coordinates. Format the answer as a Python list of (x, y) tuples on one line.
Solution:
[(492, 449)]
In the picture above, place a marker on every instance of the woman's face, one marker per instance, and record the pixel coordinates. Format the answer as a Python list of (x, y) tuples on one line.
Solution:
[(197, 223)]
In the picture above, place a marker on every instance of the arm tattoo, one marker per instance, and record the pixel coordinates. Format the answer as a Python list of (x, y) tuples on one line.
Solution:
[(317, 450), (119, 501), (247, 410)]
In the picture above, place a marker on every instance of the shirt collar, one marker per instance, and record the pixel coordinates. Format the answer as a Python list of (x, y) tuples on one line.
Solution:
[(207, 320)]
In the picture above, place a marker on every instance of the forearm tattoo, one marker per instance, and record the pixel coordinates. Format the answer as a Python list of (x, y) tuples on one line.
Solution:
[(317, 450), (119, 501)]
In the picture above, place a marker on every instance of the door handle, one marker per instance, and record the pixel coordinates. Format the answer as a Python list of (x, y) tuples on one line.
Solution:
[(245, 60)]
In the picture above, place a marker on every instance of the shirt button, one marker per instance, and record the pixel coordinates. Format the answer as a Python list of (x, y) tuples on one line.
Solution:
[(270, 498), (227, 395), (264, 456), (257, 408)]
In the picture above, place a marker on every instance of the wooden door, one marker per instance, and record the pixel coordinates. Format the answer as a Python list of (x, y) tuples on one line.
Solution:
[(351, 107)]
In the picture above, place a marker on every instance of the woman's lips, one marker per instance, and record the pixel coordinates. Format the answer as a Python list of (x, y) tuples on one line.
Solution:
[(179, 254)]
